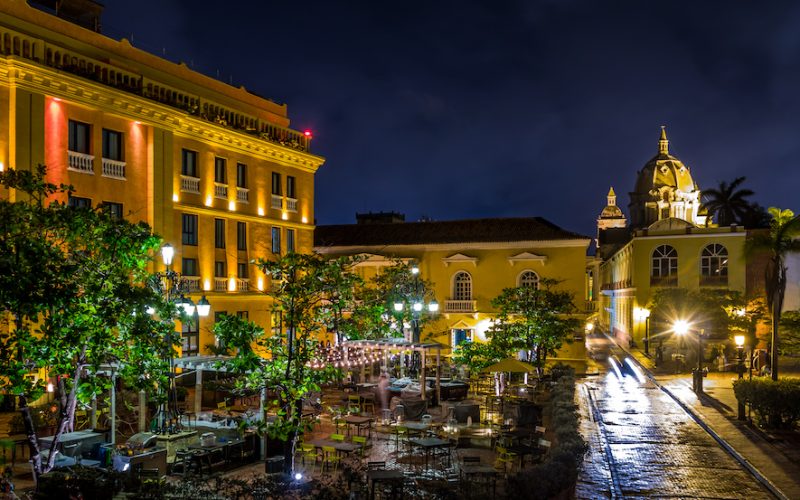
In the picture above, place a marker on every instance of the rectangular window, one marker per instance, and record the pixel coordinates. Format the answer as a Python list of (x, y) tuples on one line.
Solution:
[(112, 145), (277, 322), (190, 336), (189, 267), (290, 187), (241, 236), (241, 270), (243, 315), (241, 175), (219, 233), (289, 240), (276, 183), (276, 240), (189, 229), (80, 137), (189, 163), (219, 269), (218, 315), (78, 202), (114, 209), (219, 170)]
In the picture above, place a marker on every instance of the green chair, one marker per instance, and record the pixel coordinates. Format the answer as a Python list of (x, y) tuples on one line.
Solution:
[(337, 437), (330, 456), (362, 442), (308, 451)]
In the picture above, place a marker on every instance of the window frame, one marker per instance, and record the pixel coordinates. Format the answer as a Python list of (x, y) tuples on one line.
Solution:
[(276, 240), (187, 154), (79, 202), (241, 236), (290, 241), (276, 184), (242, 266), (462, 289), (220, 170), (185, 269), (291, 187), (114, 209), (189, 229), (241, 175), (219, 233), (120, 153), (714, 253), (75, 140), (220, 269), (523, 282), (664, 258)]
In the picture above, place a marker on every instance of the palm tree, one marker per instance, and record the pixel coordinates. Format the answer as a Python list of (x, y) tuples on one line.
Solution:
[(726, 203), (776, 245)]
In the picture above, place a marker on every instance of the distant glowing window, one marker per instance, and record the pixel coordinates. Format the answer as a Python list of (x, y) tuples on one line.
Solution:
[(529, 279), (462, 286)]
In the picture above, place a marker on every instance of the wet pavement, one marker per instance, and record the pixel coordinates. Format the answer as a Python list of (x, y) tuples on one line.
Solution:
[(644, 445)]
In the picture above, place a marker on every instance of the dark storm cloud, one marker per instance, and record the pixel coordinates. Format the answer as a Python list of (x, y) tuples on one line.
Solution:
[(492, 108)]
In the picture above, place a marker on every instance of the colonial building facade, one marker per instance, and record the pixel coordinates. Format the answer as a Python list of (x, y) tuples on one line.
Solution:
[(469, 263), (214, 169), (670, 243)]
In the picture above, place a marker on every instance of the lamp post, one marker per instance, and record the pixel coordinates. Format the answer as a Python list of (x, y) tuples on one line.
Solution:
[(417, 305), (681, 327), (174, 288), (739, 340), (643, 315)]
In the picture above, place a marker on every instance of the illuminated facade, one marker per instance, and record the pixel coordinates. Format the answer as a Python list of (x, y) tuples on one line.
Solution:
[(469, 263), (669, 244), (212, 168)]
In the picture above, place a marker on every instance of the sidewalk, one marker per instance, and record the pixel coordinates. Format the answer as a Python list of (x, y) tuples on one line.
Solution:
[(777, 459)]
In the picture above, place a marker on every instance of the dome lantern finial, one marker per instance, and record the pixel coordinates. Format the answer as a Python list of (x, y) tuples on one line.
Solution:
[(612, 197), (663, 142)]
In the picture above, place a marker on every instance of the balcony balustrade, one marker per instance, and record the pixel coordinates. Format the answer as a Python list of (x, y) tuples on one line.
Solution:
[(113, 169), (460, 306), (190, 184), (80, 162)]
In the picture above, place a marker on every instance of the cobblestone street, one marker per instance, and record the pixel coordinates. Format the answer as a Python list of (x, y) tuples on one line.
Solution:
[(643, 444)]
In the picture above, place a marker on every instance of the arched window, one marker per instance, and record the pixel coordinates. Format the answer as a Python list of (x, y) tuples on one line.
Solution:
[(462, 286), (529, 278), (714, 265), (664, 270)]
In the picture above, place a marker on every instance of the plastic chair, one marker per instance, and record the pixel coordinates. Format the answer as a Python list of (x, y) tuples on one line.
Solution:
[(368, 403), (337, 437), (329, 456), (504, 458), (362, 441), (400, 434), (308, 451), (354, 404)]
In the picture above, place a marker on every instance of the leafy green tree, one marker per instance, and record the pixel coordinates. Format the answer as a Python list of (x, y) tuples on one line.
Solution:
[(776, 244), (285, 365), (790, 338), (374, 316), (478, 355), (728, 203), (72, 293), (536, 320)]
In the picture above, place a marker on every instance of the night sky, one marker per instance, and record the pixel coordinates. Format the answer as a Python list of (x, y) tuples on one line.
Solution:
[(488, 109)]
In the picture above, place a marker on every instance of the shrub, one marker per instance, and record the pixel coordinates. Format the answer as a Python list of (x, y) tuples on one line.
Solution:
[(776, 403)]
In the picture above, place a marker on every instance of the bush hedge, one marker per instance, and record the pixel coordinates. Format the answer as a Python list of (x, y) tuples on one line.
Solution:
[(776, 403), (558, 473)]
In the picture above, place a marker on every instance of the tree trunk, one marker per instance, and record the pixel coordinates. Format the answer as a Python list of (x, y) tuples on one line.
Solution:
[(33, 441), (67, 414)]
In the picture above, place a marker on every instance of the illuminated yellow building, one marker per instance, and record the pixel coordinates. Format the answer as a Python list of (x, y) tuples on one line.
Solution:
[(469, 262), (214, 169), (669, 244)]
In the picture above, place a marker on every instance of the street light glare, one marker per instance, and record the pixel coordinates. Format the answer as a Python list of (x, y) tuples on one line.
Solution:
[(739, 340), (681, 327), (167, 252)]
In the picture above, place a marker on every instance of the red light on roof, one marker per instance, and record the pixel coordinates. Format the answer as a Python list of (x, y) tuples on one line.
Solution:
[(307, 133)]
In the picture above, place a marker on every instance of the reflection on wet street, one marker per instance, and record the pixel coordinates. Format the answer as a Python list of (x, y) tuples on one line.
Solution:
[(644, 445)]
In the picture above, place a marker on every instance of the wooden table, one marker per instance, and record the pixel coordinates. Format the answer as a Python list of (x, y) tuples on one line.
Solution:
[(431, 444), (358, 422), (395, 477), (339, 446)]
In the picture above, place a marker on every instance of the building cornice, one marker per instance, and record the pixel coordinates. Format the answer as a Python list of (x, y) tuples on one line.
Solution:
[(29, 76), (433, 247)]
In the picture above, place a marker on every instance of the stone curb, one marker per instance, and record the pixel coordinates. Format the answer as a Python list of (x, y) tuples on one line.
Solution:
[(702, 423)]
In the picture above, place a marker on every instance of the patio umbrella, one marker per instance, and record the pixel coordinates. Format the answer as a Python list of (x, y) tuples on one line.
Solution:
[(510, 365)]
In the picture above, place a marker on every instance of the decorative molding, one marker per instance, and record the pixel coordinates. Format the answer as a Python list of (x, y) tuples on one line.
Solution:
[(459, 258), (461, 325), (375, 260), (527, 257), (460, 247)]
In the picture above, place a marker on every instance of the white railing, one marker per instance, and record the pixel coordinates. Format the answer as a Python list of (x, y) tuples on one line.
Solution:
[(80, 162), (220, 284), (192, 283), (220, 190), (460, 306), (291, 204), (242, 284), (242, 195), (114, 169), (277, 202), (190, 184)]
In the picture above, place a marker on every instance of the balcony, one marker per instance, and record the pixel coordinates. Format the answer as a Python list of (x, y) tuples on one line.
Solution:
[(190, 184), (242, 195), (242, 284), (276, 202), (114, 169), (220, 190), (664, 281), (80, 162), (590, 306), (291, 204), (460, 306), (220, 284), (192, 284)]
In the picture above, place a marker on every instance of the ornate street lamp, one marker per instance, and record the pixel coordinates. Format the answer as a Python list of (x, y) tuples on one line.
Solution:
[(174, 288)]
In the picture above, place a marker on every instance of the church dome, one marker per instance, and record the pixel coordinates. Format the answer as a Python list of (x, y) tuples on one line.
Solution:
[(611, 212), (663, 171)]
